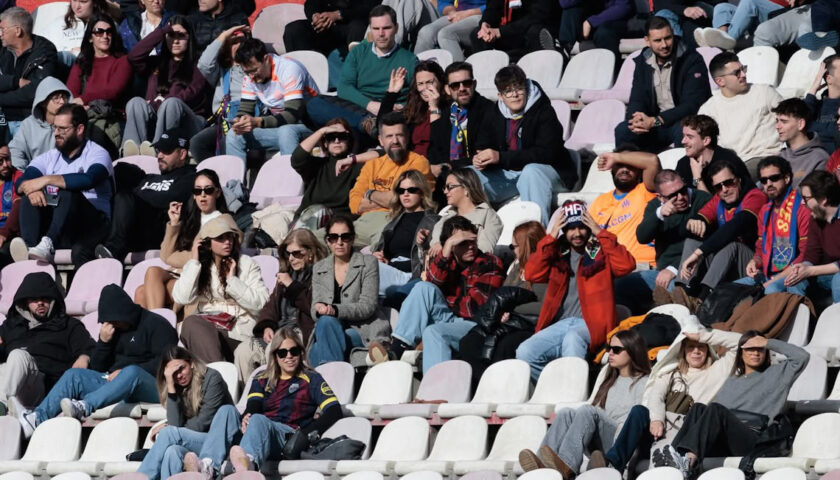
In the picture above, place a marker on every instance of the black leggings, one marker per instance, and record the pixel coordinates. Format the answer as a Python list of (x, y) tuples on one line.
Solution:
[(714, 431)]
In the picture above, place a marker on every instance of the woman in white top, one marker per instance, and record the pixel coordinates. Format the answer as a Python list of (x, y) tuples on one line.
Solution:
[(67, 35)]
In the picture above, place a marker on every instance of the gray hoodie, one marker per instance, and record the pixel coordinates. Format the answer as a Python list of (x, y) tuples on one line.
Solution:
[(208, 65), (35, 135), (805, 159), (534, 94)]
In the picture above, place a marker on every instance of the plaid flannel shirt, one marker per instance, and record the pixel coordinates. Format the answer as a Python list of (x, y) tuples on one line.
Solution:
[(466, 288)]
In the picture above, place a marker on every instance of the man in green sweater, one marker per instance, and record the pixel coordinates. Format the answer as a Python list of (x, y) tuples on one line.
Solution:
[(366, 74), (663, 224)]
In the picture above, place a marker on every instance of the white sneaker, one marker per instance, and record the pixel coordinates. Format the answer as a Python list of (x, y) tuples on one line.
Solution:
[(27, 418), (204, 466), (147, 149), (130, 148), (43, 251), (18, 250), (715, 37), (698, 37), (74, 408)]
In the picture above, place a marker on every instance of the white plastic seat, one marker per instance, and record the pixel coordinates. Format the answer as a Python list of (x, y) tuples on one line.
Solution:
[(482, 475), (316, 64), (514, 436), (545, 67), (826, 337), (55, 440), (230, 375), (72, 476), (422, 475), (449, 381), (599, 474), (9, 438), (439, 55), (272, 20), (597, 182), (815, 444), (620, 89), (595, 126), (810, 385), (661, 473), (404, 439), (796, 331), (388, 383), (541, 474), (669, 158), (564, 113), (589, 70), (800, 71), (364, 475), (563, 380), (722, 473), (269, 266), (307, 475), (17, 476), (356, 428), (227, 167), (110, 441), (514, 214), (460, 439), (762, 64), (506, 381), (784, 474), (340, 376), (485, 65)]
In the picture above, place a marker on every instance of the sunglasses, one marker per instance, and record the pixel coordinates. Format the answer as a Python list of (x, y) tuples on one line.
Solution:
[(337, 137), (772, 178), (206, 190), (284, 352), (295, 253), (411, 190), (682, 191), (98, 32), (466, 83), (451, 186), (177, 35), (615, 349), (728, 183), (345, 237)]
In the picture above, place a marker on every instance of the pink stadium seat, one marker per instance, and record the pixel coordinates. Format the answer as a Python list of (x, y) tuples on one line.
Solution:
[(168, 314), (449, 381), (708, 53), (12, 275), (187, 476), (227, 167), (130, 476), (88, 282), (277, 182), (147, 163), (92, 325), (564, 114), (246, 389), (596, 124), (246, 476), (136, 276), (271, 23), (340, 376), (832, 475), (621, 89), (269, 266)]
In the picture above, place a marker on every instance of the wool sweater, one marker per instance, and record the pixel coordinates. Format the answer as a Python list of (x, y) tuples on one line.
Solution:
[(108, 80), (365, 76), (214, 394), (747, 123)]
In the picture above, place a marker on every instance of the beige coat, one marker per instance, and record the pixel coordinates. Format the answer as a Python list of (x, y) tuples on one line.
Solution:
[(484, 217)]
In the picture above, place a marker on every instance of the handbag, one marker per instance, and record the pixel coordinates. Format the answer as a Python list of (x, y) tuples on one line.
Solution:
[(756, 422), (221, 320), (678, 401)]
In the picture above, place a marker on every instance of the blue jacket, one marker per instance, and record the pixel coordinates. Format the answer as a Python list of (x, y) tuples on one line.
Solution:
[(823, 111), (129, 29)]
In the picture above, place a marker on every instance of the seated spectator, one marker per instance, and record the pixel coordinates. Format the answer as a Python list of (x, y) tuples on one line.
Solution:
[(181, 233), (219, 68), (663, 225), (783, 29), (214, 17), (727, 426), (9, 205), (730, 22), (520, 148), (825, 23), (191, 394), (824, 109), (289, 396), (742, 111), (621, 211), (439, 311), (35, 135), (669, 84), (366, 74), (579, 261), (71, 31), (720, 237), (371, 195), (329, 25), (38, 342), (290, 303), (226, 288), (803, 150), (344, 294), (577, 429), (452, 30), (514, 28), (25, 60), (821, 193), (833, 165), (467, 199), (137, 24), (122, 364), (177, 95), (140, 213), (65, 194), (101, 71), (700, 140), (281, 85)]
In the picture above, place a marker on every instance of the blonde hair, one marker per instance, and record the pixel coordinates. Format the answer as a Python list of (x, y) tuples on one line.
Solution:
[(420, 182), (191, 394), (273, 369), (682, 364)]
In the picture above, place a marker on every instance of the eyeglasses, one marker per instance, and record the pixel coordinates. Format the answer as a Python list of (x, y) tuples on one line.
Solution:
[(466, 83), (337, 137), (615, 349), (411, 190), (3, 29), (63, 129), (98, 32), (58, 97), (737, 72), (728, 183), (284, 352), (513, 92), (205, 190), (177, 35), (772, 178), (451, 186), (344, 237), (682, 191), (295, 253), (805, 198)]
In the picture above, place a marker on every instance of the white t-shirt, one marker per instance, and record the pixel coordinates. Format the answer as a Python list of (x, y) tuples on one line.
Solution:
[(146, 28), (289, 81)]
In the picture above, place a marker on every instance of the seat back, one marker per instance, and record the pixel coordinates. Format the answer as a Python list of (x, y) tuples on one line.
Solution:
[(590, 70), (9, 438), (341, 377), (669, 158), (271, 22), (130, 476), (801, 69), (762, 64), (811, 440), (564, 113), (810, 384), (168, 314), (230, 376), (422, 475), (17, 476), (186, 476), (246, 475), (269, 266), (146, 163), (543, 66), (708, 53), (227, 167), (58, 439), (243, 400), (277, 182), (722, 473), (357, 428), (12, 275), (316, 64), (91, 278), (543, 474), (463, 438), (827, 330), (661, 473), (72, 476), (485, 65), (387, 383), (137, 275), (515, 214), (624, 80), (600, 474), (788, 473), (92, 325), (111, 440), (439, 55), (516, 435), (364, 475), (449, 380), (564, 379), (482, 475), (404, 439), (506, 381), (305, 475), (596, 124), (832, 475)]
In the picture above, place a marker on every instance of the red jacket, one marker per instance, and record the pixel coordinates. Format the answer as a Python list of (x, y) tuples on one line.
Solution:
[(594, 283)]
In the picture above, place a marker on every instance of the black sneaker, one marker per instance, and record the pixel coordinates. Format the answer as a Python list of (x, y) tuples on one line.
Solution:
[(818, 40), (547, 40), (101, 251)]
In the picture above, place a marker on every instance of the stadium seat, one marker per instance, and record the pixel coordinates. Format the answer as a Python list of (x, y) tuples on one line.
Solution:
[(482, 475), (115, 470), (784, 474), (796, 331), (708, 53), (439, 55), (514, 214), (110, 441), (272, 20), (230, 376), (563, 381), (305, 475), (460, 439), (137, 275), (227, 167), (589, 70), (341, 377), (277, 182), (449, 381), (130, 476), (168, 314), (187, 476), (269, 266), (92, 325), (595, 126), (317, 66), (404, 439), (546, 68), (597, 182), (424, 475), (599, 474), (810, 384), (621, 89), (72, 476), (243, 400), (545, 474), (762, 64), (661, 473), (832, 475), (564, 114), (364, 475), (485, 65), (16, 476), (88, 282), (45, 16), (811, 445), (11, 276), (826, 338), (247, 475), (514, 435), (388, 383), (722, 473), (800, 71), (354, 427), (669, 158), (55, 440), (506, 381), (9, 438), (146, 163)]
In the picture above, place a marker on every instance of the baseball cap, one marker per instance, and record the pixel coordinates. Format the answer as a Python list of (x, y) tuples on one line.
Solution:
[(170, 140), (574, 213)]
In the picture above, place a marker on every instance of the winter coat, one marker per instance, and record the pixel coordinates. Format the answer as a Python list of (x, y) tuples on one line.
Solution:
[(35, 64)]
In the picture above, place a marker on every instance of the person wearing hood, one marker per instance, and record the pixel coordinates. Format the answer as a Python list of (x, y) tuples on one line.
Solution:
[(803, 149), (214, 17), (670, 82), (35, 134), (38, 341), (123, 364), (519, 150)]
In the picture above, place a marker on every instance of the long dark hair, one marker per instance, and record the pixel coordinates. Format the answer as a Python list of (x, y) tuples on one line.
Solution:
[(636, 348), (184, 69), (205, 258), (415, 106), (100, 7), (739, 368), (191, 218), (86, 54), (191, 394)]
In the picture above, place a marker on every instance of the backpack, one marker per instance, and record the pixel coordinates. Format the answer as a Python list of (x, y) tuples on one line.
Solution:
[(720, 304), (339, 448)]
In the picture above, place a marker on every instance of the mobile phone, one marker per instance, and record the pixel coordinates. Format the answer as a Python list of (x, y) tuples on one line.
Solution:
[(51, 195)]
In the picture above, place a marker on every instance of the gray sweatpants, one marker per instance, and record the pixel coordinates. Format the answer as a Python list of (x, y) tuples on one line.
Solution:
[(784, 29), (730, 263), (172, 113), (452, 37), (19, 377), (576, 431)]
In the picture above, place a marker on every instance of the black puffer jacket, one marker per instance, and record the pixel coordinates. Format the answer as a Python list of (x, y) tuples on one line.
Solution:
[(206, 27), (56, 342), (35, 64), (489, 316)]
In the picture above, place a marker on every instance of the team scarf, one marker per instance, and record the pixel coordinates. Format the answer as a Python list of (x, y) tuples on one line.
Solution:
[(780, 256), (721, 211), (458, 144)]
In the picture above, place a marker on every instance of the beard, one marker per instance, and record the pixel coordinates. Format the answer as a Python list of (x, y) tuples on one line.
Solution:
[(397, 153), (68, 145), (625, 185)]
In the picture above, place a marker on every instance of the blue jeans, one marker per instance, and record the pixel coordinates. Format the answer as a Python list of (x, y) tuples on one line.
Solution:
[(634, 291), (776, 286), (426, 315), (166, 457), (322, 109), (396, 295), (332, 341), (634, 433), (744, 17), (133, 384), (655, 140), (391, 278), (284, 138), (673, 19), (263, 439), (568, 337), (830, 283), (535, 183)]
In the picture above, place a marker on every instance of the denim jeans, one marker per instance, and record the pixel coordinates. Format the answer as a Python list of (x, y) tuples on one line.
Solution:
[(535, 183), (390, 278), (166, 457), (263, 439), (332, 341), (830, 283), (776, 286), (322, 109), (284, 138), (396, 295), (634, 433), (635, 291), (744, 17), (133, 384), (568, 337)]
